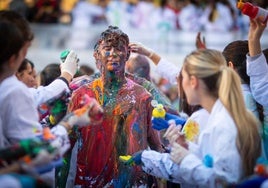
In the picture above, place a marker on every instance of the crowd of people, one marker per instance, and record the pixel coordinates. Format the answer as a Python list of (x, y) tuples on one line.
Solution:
[(114, 127), (165, 15)]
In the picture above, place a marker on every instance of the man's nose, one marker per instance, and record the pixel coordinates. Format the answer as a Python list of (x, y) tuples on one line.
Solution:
[(114, 52)]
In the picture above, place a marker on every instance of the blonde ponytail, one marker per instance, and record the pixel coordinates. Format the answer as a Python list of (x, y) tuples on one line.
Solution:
[(248, 138)]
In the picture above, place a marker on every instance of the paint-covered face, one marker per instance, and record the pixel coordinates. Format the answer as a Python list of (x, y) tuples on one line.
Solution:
[(113, 55)]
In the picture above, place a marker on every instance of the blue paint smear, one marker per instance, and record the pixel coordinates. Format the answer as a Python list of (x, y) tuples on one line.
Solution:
[(136, 127), (107, 54), (122, 181)]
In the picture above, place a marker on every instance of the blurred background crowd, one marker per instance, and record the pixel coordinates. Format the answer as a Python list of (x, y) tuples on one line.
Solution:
[(167, 26), (192, 15)]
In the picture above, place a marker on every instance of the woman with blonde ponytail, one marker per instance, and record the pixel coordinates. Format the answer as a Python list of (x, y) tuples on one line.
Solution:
[(223, 85), (229, 144)]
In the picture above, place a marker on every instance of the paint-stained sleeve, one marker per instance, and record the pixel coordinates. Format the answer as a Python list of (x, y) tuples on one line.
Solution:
[(76, 103)]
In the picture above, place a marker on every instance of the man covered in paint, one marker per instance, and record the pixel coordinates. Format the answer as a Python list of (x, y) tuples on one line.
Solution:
[(143, 80), (126, 127)]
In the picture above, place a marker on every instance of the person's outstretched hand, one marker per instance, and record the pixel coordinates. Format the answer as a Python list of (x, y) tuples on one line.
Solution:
[(70, 64), (163, 123), (135, 159), (90, 113)]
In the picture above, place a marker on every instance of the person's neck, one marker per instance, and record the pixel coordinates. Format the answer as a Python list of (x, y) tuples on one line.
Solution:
[(5, 75), (113, 80), (207, 102)]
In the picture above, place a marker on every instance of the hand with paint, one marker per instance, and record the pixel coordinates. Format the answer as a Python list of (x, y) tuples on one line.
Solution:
[(90, 113), (174, 134), (135, 159), (37, 155)]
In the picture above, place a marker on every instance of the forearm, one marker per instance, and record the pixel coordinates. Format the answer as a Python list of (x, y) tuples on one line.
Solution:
[(154, 57), (254, 46), (256, 29), (43, 94), (159, 165)]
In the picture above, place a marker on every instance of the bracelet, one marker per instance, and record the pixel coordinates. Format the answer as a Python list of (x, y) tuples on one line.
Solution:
[(151, 55), (64, 80)]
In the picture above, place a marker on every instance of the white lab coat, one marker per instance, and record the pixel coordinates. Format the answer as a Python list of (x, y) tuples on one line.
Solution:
[(44, 93), (217, 139), (18, 112), (257, 70)]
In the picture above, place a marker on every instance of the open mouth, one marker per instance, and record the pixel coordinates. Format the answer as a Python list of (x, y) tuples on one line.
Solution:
[(114, 64)]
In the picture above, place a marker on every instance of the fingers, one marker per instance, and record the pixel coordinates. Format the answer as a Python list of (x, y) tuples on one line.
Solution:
[(170, 129), (200, 44), (70, 64), (136, 48), (95, 111), (71, 57), (172, 133), (139, 48), (182, 141)]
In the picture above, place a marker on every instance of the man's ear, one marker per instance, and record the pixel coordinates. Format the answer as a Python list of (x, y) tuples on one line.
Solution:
[(230, 64), (128, 53), (95, 54)]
